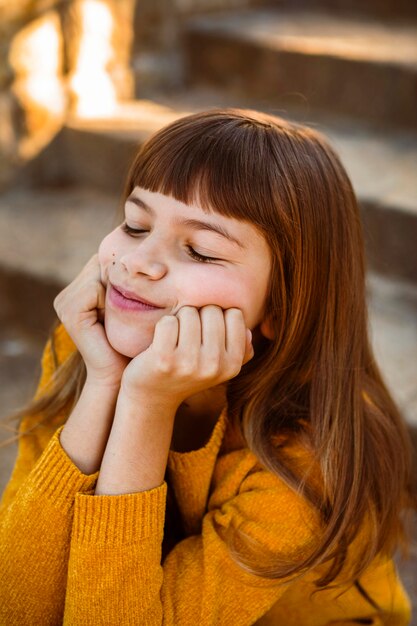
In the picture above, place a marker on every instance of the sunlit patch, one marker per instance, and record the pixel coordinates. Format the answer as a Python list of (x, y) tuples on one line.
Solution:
[(90, 83), (36, 59)]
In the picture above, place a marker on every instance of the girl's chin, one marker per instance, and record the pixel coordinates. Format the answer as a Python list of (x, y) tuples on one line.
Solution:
[(126, 343)]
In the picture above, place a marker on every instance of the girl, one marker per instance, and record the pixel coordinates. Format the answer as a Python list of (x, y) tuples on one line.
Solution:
[(211, 441)]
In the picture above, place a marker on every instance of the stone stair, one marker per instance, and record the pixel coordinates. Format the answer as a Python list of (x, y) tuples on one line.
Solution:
[(350, 66), (400, 11)]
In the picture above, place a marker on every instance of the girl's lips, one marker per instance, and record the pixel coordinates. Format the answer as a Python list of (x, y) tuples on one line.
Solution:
[(120, 301)]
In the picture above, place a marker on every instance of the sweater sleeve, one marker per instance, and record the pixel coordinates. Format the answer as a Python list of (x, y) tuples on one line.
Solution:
[(36, 514), (115, 573), (35, 531)]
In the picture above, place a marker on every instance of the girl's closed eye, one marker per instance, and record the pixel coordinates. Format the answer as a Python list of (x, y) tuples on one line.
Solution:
[(200, 257), (132, 231), (192, 253)]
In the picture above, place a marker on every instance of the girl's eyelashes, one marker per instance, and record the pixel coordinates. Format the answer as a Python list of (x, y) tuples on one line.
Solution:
[(199, 257), (131, 231), (193, 254)]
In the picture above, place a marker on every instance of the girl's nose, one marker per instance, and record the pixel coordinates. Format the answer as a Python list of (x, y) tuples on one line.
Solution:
[(146, 260)]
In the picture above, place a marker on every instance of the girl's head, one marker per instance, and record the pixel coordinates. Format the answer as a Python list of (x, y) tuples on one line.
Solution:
[(276, 188), (173, 254)]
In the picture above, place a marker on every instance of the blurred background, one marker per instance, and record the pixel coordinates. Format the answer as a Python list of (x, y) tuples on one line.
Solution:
[(84, 82)]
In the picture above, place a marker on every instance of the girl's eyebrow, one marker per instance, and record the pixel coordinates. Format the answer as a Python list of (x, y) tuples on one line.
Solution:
[(191, 223)]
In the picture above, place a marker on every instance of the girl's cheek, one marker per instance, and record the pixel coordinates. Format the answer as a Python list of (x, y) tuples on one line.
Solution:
[(105, 256), (207, 287)]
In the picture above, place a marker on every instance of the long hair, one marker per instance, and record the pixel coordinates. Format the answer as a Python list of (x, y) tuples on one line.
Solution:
[(316, 381)]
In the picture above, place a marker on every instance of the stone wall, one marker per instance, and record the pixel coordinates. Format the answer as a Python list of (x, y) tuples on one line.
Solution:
[(53, 55), (156, 21), (157, 59)]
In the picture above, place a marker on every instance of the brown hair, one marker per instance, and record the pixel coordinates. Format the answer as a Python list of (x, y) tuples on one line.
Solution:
[(317, 380)]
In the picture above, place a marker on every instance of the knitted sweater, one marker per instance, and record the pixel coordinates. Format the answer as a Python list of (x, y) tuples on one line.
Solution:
[(70, 557)]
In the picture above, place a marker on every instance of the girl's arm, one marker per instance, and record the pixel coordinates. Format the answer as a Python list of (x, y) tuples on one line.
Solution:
[(84, 436), (137, 450)]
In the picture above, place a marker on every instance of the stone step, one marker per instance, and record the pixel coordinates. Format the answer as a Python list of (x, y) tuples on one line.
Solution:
[(400, 11), (382, 166), (97, 152), (353, 66), (46, 236)]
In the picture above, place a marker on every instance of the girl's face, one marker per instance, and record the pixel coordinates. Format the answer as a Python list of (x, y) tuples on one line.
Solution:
[(172, 254)]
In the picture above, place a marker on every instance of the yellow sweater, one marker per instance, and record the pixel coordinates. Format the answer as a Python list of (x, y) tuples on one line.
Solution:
[(70, 557)]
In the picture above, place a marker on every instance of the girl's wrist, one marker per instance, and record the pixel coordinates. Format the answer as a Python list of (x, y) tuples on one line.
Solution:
[(87, 428), (136, 396), (103, 382), (137, 449)]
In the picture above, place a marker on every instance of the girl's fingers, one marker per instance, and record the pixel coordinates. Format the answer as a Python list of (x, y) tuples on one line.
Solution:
[(214, 340), (209, 342), (101, 299), (166, 334), (101, 296), (249, 351), (93, 262), (189, 335), (213, 329), (238, 338), (235, 333), (90, 271), (83, 296)]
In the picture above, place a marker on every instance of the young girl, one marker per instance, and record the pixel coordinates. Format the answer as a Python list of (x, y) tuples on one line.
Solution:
[(211, 442)]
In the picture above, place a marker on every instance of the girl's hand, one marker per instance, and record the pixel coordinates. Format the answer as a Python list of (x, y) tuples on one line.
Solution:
[(190, 352), (80, 307)]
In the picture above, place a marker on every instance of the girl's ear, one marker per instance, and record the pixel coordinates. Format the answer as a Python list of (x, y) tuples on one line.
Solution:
[(266, 329)]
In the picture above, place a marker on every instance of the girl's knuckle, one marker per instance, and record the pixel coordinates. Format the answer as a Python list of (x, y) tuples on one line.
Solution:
[(186, 369), (211, 374), (212, 365), (164, 364), (59, 298), (233, 368)]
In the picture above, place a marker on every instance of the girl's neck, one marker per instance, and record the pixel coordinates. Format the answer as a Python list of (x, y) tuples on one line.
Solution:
[(196, 417)]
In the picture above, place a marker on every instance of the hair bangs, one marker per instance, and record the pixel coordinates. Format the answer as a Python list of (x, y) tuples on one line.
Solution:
[(222, 168)]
